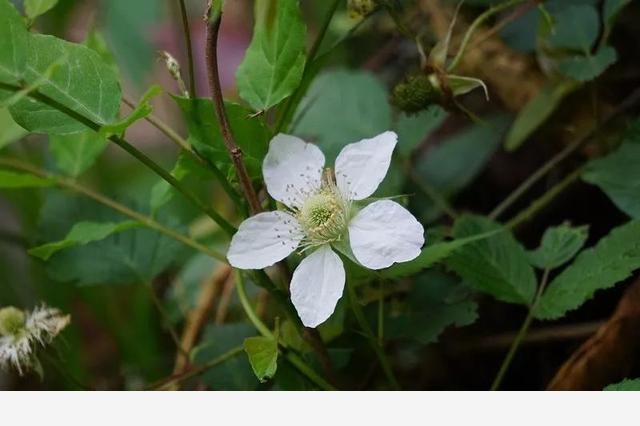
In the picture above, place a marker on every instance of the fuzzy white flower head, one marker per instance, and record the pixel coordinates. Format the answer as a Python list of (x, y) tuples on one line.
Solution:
[(322, 211), (21, 333)]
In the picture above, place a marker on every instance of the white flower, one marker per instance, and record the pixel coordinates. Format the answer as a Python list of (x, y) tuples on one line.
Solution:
[(21, 332), (322, 212)]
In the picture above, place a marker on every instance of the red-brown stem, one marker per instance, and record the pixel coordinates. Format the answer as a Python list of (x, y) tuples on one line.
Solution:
[(213, 27)]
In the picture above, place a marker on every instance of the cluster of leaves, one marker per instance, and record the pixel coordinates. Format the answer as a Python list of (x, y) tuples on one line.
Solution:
[(71, 93)]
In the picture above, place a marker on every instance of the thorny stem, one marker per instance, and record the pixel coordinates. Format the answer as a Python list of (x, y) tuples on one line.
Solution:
[(264, 330), (521, 334), (214, 18), (147, 221), (140, 156), (187, 41), (366, 328), (294, 98), (560, 156), (191, 151)]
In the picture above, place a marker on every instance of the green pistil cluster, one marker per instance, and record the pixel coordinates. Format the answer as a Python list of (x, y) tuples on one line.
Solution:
[(12, 321), (323, 217)]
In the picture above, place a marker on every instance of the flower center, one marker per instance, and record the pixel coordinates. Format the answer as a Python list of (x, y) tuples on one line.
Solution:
[(12, 321), (323, 216)]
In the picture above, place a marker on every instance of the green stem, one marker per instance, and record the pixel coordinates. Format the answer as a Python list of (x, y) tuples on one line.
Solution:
[(187, 40), (165, 383), (430, 192), (629, 101), (296, 361), (287, 110), (147, 221), (474, 26), (366, 328), (165, 319), (122, 143), (521, 334), (191, 151), (381, 315)]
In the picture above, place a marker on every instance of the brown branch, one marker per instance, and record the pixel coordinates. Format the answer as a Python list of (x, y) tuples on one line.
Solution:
[(213, 19), (197, 318)]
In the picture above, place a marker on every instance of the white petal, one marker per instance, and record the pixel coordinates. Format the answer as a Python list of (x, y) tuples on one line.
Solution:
[(384, 233), (263, 240), (316, 286), (361, 166), (292, 169)]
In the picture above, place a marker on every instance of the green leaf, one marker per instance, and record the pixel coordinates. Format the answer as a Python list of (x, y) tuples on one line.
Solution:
[(436, 301), (185, 167), (22, 180), (141, 110), (76, 152), (625, 385), (612, 260), (13, 45), (263, 356), (611, 9), (576, 28), (35, 8), (235, 373), (342, 107), (413, 129), (618, 175), (432, 254), (9, 130), (82, 233), (204, 133), (587, 67), (536, 111), (133, 256), (559, 244), (497, 265), (82, 82), (273, 65)]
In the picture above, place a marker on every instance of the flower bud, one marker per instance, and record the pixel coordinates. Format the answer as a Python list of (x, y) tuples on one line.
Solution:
[(173, 66), (416, 93)]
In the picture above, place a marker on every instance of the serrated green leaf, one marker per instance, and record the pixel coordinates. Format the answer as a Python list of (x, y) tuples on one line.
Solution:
[(342, 107), (497, 265), (273, 65), (9, 129), (559, 244), (413, 129), (625, 385), (587, 67), (35, 8), (576, 28), (140, 111), (618, 175), (612, 260), (431, 255), (13, 45), (82, 82), (204, 133), (82, 233), (15, 180), (536, 111), (263, 356), (76, 152)]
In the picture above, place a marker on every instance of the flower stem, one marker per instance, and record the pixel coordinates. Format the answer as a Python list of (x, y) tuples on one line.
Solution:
[(366, 328), (521, 334), (214, 18), (293, 359), (147, 221), (140, 156), (186, 29)]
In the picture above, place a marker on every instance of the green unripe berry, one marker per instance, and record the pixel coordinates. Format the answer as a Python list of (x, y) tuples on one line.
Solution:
[(416, 93)]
